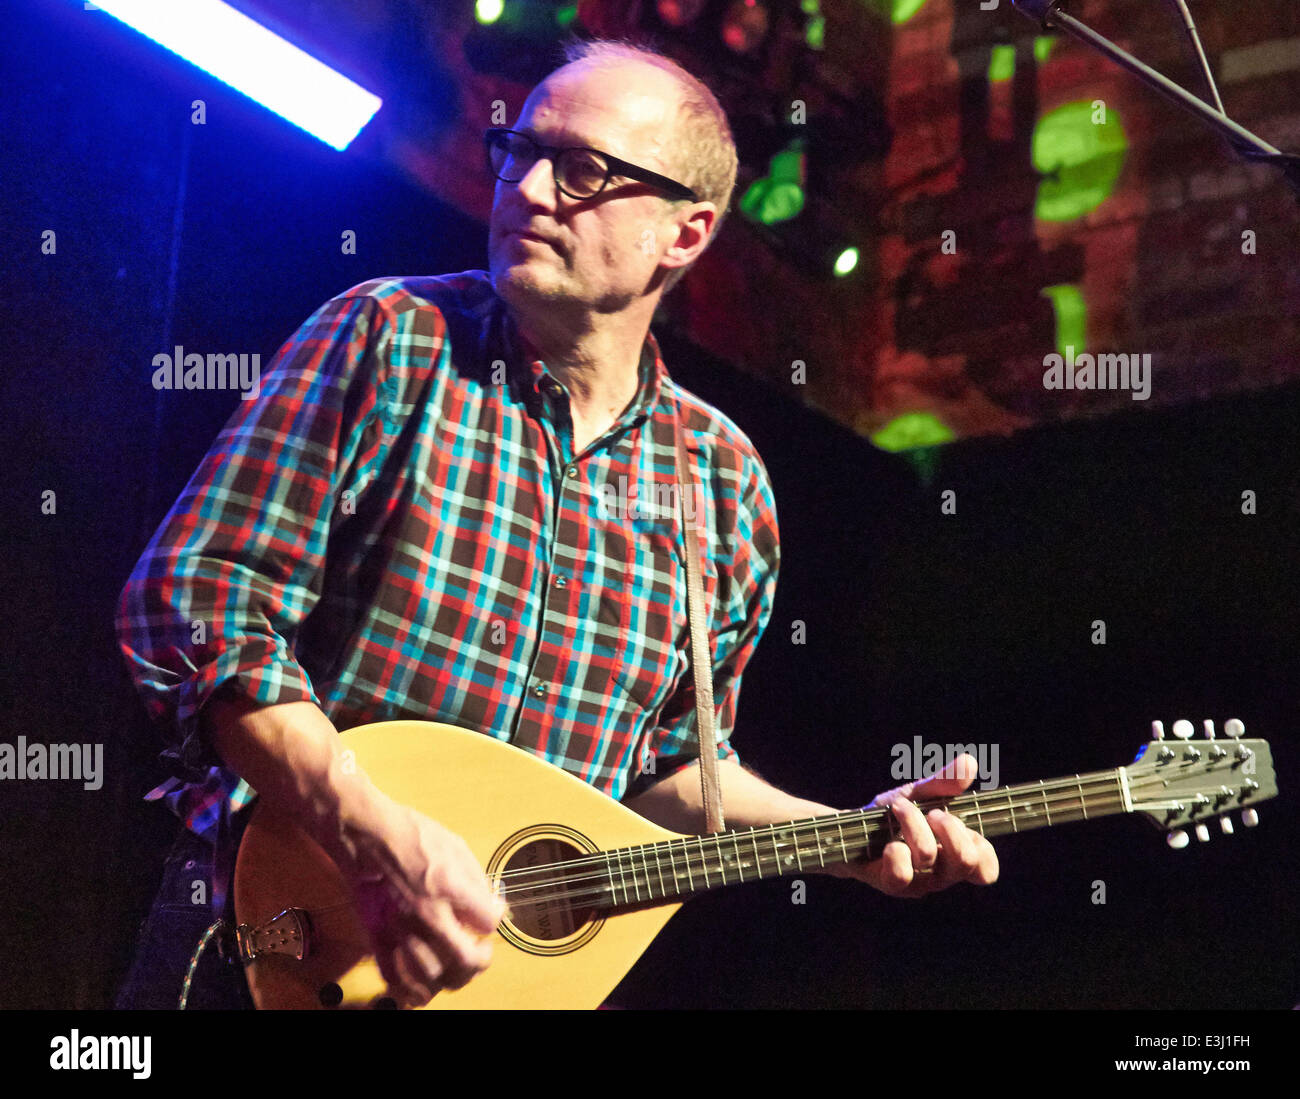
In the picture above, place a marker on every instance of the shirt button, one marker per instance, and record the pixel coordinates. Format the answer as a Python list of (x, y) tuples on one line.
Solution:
[(571, 472), (540, 690), (561, 581)]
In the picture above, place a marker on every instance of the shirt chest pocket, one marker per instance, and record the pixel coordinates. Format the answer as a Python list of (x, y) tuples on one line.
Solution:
[(654, 630)]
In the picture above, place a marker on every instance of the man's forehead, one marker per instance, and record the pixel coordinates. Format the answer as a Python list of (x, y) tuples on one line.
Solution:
[(586, 107)]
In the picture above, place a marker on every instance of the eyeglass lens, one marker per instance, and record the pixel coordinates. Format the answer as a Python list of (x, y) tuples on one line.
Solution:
[(579, 172)]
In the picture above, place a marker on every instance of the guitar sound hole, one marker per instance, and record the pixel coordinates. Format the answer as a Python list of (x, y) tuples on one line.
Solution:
[(540, 906)]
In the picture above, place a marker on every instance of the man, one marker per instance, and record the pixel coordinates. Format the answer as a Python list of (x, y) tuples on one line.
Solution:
[(414, 520)]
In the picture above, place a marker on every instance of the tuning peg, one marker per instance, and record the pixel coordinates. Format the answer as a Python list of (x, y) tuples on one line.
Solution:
[(1177, 839), (1157, 730), (1225, 822), (1183, 729), (1202, 833), (1233, 728), (1249, 818), (1209, 729)]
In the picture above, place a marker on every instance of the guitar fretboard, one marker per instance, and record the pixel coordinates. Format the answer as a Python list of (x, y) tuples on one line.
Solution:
[(667, 871)]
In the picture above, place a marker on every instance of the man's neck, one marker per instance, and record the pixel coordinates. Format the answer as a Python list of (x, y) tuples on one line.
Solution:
[(600, 368)]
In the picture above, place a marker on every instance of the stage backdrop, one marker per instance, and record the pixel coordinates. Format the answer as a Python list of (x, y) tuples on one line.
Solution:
[(1013, 196)]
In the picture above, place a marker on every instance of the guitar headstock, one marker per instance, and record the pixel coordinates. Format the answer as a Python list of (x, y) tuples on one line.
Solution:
[(1188, 780)]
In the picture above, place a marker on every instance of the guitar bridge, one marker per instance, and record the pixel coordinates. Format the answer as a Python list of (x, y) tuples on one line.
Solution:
[(288, 933)]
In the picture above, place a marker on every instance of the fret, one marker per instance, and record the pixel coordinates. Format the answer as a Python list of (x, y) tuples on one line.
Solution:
[(1012, 810), (632, 867), (817, 839), (979, 815), (758, 859), (609, 870), (649, 885), (776, 851), (798, 855), (663, 889), (704, 859), (618, 862), (843, 846), (690, 879), (866, 835), (1083, 802), (1046, 808)]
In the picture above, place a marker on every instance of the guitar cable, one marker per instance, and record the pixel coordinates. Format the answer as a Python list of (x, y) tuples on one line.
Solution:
[(194, 962)]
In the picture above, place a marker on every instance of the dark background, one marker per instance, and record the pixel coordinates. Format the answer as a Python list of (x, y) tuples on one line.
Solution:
[(973, 627)]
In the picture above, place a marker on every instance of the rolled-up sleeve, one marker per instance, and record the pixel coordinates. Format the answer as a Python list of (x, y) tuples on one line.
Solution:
[(217, 597)]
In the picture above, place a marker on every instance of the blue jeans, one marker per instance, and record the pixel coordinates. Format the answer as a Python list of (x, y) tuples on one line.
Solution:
[(172, 930)]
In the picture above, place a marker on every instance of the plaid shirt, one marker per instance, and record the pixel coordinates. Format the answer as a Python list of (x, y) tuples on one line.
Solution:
[(397, 527)]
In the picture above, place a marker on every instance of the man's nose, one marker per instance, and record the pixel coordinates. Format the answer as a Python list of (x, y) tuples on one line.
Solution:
[(538, 184)]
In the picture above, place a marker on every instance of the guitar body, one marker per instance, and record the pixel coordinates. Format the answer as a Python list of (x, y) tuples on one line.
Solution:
[(514, 810)]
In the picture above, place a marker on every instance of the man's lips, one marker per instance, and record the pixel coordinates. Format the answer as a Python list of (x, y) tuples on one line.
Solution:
[(524, 234)]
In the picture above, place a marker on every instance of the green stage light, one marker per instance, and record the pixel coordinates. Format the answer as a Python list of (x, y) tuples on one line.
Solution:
[(912, 430), (815, 34), (1081, 147), (897, 11), (770, 202), (1071, 316), (1002, 59), (778, 196), (488, 11), (846, 261), (1002, 63)]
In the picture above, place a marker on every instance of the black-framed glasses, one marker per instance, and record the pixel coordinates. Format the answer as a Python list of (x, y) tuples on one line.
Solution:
[(579, 172)]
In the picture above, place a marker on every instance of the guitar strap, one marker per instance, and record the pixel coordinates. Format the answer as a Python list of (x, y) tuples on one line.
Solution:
[(701, 657)]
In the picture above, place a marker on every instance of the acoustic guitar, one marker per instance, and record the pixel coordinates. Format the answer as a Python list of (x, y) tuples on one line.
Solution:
[(589, 883)]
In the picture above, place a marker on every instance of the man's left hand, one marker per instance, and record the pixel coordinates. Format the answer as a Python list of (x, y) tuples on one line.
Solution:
[(936, 849)]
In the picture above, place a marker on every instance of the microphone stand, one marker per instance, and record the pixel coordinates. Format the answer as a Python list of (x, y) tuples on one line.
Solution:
[(1249, 147)]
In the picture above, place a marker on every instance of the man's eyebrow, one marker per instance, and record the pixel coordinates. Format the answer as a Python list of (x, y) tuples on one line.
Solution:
[(570, 143)]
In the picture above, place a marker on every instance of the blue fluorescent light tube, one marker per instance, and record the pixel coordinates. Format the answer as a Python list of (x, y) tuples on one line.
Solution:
[(251, 59)]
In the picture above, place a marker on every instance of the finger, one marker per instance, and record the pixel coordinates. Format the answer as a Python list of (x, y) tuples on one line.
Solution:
[(462, 952), (989, 868), (417, 974), (959, 858), (916, 833), (892, 873), (953, 779), (472, 895)]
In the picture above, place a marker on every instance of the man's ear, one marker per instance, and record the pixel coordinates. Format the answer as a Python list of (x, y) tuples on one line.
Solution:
[(693, 230)]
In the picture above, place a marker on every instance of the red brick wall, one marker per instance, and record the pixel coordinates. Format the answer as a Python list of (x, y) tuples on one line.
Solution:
[(1159, 264)]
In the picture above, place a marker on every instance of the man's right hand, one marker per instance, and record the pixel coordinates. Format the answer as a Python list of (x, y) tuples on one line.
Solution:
[(424, 899), (419, 890)]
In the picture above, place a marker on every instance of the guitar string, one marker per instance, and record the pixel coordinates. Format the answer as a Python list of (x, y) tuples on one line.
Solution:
[(634, 875), (854, 817), (552, 888), (645, 878), (1105, 783), (799, 830), (556, 890)]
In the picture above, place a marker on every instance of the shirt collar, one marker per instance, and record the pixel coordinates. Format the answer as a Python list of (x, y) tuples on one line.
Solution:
[(531, 377)]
